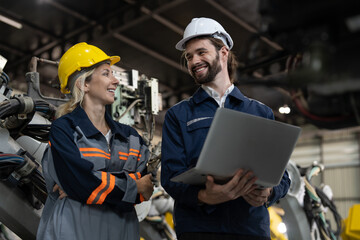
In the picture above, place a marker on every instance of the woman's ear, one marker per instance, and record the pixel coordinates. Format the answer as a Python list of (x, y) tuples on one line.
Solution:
[(84, 87)]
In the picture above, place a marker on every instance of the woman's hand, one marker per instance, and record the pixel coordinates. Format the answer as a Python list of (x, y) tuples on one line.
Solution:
[(145, 186), (62, 194)]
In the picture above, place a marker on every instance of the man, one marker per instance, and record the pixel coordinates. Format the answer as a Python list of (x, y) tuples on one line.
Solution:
[(237, 209)]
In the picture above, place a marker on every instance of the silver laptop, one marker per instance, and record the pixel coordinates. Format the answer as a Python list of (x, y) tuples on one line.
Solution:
[(240, 140)]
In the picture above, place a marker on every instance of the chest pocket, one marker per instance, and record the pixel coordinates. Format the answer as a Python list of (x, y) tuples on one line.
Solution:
[(96, 156), (198, 123), (120, 151), (93, 149), (196, 132), (128, 155)]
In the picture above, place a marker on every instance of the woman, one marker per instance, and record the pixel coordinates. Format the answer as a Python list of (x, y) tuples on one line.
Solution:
[(94, 167)]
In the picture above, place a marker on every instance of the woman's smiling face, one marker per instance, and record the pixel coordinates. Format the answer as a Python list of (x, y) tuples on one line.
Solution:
[(101, 88)]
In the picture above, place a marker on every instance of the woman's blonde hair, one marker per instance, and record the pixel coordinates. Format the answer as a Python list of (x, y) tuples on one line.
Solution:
[(77, 95)]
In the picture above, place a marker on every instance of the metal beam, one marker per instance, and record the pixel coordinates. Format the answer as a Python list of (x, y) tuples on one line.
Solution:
[(11, 49), (58, 41), (154, 14), (163, 20), (69, 11), (148, 51), (27, 24), (244, 24)]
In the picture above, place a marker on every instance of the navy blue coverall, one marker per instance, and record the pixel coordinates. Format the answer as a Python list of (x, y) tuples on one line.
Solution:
[(184, 131)]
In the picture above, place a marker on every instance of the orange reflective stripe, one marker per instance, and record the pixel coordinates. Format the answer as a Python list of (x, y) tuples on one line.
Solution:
[(95, 155), (134, 150), (93, 150), (122, 153), (135, 154), (49, 143), (138, 174), (110, 188), (128, 154), (141, 197), (98, 189), (132, 176)]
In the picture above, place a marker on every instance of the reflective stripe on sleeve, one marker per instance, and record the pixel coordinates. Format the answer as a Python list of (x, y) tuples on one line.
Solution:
[(135, 176), (100, 193), (94, 152), (124, 156)]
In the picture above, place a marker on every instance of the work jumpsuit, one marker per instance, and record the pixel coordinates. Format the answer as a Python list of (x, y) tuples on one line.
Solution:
[(184, 131), (98, 178)]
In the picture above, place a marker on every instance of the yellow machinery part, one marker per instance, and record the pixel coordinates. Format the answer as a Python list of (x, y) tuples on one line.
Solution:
[(275, 219), (351, 229), (169, 219)]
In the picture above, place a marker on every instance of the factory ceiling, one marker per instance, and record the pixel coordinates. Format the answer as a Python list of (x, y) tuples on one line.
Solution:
[(303, 54)]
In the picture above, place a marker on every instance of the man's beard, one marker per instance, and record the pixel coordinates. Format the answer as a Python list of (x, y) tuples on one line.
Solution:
[(212, 70)]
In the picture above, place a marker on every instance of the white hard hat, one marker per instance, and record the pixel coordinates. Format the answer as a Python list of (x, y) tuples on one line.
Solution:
[(204, 26)]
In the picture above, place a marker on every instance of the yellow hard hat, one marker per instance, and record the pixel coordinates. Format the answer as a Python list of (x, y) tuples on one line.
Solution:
[(79, 56)]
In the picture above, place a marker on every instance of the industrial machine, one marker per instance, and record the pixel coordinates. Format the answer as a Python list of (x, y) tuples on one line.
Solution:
[(305, 206)]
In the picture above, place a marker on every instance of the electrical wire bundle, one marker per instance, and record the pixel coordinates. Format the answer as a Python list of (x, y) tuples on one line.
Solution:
[(328, 203), (24, 105), (4, 78), (8, 164), (314, 202), (33, 182), (39, 132), (45, 108), (11, 109)]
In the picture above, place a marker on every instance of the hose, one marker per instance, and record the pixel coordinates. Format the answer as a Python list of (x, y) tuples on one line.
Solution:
[(317, 200)]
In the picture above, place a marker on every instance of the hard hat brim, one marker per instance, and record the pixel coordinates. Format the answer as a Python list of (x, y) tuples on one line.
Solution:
[(114, 59), (181, 44)]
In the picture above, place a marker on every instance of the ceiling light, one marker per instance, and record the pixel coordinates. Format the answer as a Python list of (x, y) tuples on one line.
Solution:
[(284, 109), (353, 23), (10, 22)]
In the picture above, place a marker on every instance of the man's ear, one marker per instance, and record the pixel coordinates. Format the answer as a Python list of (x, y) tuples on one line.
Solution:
[(224, 53)]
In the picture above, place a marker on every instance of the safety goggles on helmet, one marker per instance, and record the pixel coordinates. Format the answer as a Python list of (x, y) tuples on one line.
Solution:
[(204, 27), (78, 57)]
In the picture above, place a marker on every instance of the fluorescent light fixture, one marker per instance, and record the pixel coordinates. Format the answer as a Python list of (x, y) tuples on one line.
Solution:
[(353, 23), (10, 22)]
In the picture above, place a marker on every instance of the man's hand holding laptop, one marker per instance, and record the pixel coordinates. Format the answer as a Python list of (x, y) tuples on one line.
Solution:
[(242, 184)]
